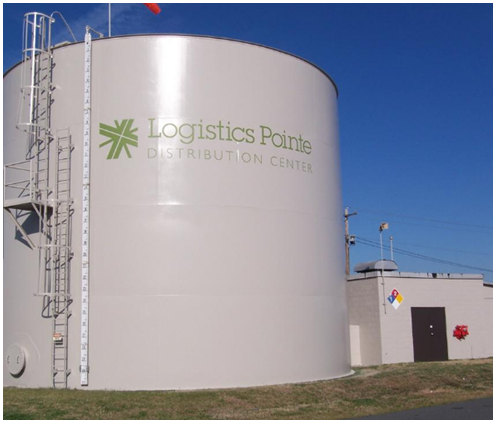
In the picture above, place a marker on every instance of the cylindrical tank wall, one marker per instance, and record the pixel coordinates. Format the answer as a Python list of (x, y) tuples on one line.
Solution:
[(216, 240)]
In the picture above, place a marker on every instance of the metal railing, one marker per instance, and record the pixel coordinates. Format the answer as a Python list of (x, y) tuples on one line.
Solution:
[(21, 186)]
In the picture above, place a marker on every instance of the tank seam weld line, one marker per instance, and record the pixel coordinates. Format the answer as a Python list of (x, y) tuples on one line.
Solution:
[(119, 206), (218, 295)]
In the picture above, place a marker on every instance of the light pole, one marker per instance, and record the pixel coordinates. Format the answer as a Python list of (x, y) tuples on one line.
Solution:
[(391, 247), (382, 227)]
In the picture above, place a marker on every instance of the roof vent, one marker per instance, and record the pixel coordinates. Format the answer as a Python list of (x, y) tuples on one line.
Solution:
[(372, 266)]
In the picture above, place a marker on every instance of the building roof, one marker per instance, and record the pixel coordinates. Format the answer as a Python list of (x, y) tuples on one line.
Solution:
[(413, 275)]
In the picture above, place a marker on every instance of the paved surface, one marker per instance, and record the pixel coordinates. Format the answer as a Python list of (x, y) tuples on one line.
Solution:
[(481, 409)]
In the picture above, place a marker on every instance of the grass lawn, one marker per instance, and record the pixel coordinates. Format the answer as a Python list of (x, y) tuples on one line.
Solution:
[(372, 390)]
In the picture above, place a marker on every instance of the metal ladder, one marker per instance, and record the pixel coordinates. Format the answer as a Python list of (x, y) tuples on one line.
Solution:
[(62, 254), (28, 189)]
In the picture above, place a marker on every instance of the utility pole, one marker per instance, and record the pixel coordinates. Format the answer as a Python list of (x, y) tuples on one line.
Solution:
[(347, 214)]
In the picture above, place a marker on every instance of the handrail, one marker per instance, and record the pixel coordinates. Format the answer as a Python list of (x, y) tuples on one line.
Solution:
[(23, 185), (66, 24), (17, 163), (13, 184)]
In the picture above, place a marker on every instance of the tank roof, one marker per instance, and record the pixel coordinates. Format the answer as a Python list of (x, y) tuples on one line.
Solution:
[(201, 36)]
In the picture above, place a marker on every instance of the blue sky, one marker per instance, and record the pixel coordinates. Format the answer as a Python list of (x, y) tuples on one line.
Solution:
[(415, 106)]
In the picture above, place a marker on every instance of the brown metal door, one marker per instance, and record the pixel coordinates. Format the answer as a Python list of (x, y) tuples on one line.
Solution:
[(429, 334)]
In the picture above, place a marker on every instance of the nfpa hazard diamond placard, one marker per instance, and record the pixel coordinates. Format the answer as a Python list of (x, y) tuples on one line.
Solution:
[(395, 298)]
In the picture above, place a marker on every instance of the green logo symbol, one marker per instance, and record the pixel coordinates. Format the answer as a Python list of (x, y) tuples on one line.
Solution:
[(121, 136)]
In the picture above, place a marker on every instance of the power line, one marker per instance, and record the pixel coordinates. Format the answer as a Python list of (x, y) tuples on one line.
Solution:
[(424, 257), (432, 259), (450, 228), (374, 244), (444, 249), (428, 219)]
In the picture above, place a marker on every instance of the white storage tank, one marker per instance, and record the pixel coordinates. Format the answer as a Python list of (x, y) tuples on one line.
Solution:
[(215, 255)]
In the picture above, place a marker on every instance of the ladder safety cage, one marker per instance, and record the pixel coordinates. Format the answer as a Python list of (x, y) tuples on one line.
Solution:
[(42, 184), (36, 72)]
